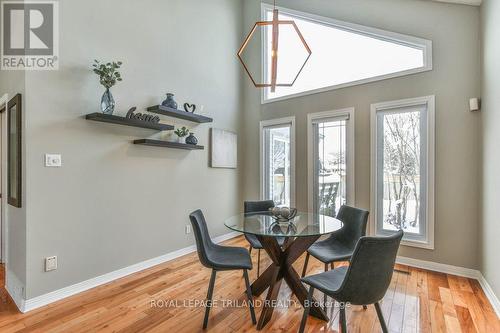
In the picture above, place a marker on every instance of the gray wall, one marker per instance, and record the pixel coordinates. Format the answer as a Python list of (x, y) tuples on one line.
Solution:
[(489, 245), (114, 204), (11, 83), (454, 31)]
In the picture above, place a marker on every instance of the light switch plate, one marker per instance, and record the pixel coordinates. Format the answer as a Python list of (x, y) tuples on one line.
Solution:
[(188, 229), (53, 160), (50, 264)]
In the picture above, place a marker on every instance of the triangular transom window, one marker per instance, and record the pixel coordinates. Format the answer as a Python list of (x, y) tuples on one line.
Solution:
[(343, 54)]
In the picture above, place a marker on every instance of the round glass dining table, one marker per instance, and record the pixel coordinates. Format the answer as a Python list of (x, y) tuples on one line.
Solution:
[(299, 233)]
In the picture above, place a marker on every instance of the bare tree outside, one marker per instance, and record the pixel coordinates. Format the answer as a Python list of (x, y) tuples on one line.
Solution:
[(402, 171)]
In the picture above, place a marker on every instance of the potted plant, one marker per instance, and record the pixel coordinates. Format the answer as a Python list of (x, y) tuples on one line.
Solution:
[(108, 77), (181, 134)]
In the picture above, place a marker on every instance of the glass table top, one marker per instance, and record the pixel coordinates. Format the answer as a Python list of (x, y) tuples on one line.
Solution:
[(302, 225)]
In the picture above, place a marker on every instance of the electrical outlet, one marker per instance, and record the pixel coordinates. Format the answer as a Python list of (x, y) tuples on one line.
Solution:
[(53, 160), (188, 229), (50, 264)]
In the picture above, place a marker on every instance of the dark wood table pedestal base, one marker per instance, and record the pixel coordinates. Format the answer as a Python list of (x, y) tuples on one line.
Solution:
[(281, 268)]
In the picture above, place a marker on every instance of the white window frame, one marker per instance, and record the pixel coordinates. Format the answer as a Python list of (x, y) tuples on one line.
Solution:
[(287, 121), (350, 156), (429, 103), (423, 44)]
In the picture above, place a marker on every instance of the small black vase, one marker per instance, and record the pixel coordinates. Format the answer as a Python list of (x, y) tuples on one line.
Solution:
[(191, 139), (170, 101)]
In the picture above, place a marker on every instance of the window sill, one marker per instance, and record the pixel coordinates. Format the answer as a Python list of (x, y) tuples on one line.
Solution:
[(419, 244)]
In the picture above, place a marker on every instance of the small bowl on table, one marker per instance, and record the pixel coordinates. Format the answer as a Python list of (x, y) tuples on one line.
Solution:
[(283, 214)]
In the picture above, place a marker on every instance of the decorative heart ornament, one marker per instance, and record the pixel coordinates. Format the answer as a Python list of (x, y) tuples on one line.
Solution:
[(189, 107)]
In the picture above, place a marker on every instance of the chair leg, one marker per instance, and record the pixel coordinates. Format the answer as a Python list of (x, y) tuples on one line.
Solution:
[(381, 318), (209, 298), (343, 320), (332, 265), (250, 298), (250, 253), (258, 263), (307, 306), (324, 295), (305, 265)]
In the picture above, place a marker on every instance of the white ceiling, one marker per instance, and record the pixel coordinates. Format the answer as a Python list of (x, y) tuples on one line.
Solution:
[(463, 2)]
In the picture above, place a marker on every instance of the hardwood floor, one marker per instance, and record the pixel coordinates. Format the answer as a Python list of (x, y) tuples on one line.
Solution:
[(417, 301)]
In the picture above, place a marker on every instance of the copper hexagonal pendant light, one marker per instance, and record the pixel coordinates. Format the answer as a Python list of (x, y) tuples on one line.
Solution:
[(275, 25)]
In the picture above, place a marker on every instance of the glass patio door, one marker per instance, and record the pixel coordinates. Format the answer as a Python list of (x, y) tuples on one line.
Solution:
[(277, 164), (330, 161)]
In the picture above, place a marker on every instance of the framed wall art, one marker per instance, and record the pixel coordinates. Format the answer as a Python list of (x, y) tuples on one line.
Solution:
[(224, 149), (14, 151)]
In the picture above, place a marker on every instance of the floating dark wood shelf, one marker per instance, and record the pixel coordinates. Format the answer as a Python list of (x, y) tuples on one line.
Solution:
[(106, 118), (167, 144), (166, 111)]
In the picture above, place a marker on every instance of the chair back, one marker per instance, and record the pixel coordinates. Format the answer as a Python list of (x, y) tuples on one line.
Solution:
[(203, 242), (355, 221), (258, 206), (370, 272)]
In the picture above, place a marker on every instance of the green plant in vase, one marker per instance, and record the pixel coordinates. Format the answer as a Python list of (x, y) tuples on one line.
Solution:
[(108, 77), (181, 133)]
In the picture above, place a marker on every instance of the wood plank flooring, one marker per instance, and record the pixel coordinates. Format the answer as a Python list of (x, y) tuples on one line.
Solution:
[(417, 301)]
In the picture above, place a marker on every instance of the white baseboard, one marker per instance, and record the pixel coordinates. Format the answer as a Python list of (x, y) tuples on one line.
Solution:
[(39, 301), (438, 267), (455, 270), (15, 289), (495, 302)]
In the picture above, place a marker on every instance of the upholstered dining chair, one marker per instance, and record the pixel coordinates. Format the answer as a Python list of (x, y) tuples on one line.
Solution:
[(364, 281), (340, 245), (219, 258), (258, 207)]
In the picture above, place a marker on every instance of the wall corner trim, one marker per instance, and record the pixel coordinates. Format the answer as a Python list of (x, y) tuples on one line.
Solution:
[(455, 270), (15, 289), (53, 296)]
